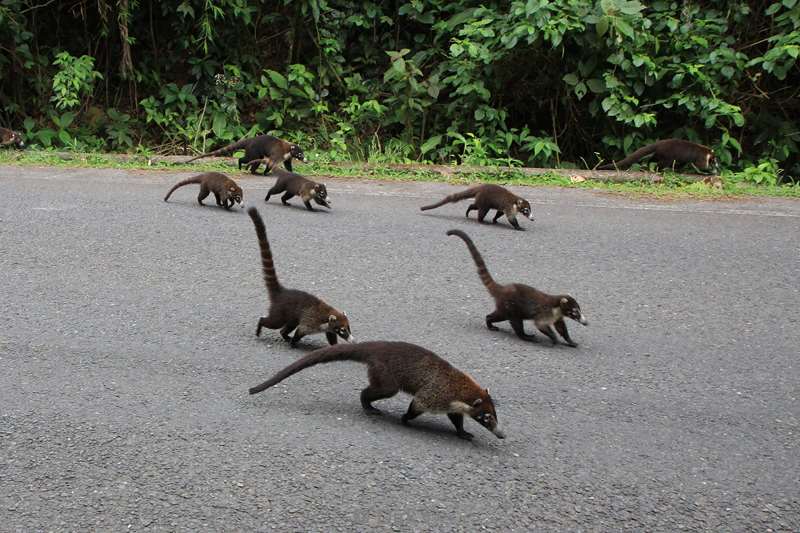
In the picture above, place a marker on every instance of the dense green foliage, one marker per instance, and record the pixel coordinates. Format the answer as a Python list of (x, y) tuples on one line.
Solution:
[(522, 82)]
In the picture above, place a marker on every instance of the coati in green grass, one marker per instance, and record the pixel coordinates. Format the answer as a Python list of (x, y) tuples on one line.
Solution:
[(517, 302), (437, 387), (671, 153), (261, 149), (293, 310), (489, 197), (226, 191), (8, 137), (291, 184)]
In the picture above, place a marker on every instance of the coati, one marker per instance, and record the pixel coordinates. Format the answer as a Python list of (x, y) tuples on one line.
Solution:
[(517, 302), (490, 197), (671, 153), (8, 136), (262, 148), (293, 310), (296, 185), (436, 385), (225, 190)]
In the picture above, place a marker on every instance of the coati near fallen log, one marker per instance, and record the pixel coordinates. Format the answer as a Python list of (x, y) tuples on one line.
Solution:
[(294, 310), (8, 137), (489, 197), (226, 191), (291, 185), (671, 154), (516, 302), (437, 386), (261, 149)]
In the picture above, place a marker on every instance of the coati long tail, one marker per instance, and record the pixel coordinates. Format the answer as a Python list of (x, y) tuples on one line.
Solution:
[(631, 159), (457, 197), (223, 151), (188, 181), (267, 266), (483, 272), (339, 352)]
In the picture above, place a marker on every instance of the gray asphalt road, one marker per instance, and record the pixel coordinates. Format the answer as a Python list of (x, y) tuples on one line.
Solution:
[(127, 346)]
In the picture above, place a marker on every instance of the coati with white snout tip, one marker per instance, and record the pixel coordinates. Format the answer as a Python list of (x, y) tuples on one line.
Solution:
[(8, 137), (671, 153), (489, 197), (261, 149), (226, 191), (291, 185), (291, 309), (516, 302), (437, 386)]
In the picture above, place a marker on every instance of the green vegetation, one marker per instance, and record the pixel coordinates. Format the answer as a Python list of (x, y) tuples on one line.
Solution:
[(517, 83)]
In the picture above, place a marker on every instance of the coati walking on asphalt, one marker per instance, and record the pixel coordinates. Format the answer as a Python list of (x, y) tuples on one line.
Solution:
[(8, 136), (671, 153), (490, 197), (291, 184), (263, 148), (517, 302), (293, 310), (225, 190), (436, 385)]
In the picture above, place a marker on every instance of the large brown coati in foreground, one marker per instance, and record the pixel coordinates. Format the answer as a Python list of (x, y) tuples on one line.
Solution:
[(262, 148), (671, 153), (517, 302), (436, 385), (490, 197), (291, 184), (225, 190), (8, 136), (293, 310)]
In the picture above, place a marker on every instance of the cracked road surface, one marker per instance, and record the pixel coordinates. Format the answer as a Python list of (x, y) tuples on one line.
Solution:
[(127, 345)]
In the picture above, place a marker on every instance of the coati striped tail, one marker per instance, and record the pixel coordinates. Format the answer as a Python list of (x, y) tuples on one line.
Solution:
[(268, 268), (483, 272), (189, 181), (222, 151), (457, 197), (631, 159), (339, 352)]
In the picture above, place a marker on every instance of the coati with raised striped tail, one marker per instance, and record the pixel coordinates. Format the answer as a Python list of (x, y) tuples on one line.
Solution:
[(437, 386), (226, 191), (261, 149), (516, 302), (293, 310), (489, 197), (671, 153), (8, 137), (291, 184)]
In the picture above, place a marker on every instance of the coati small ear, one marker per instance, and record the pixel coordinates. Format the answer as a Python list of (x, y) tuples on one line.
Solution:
[(332, 318), (477, 402), (563, 300)]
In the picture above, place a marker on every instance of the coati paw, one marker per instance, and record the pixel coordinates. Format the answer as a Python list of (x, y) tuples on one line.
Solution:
[(492, 328), (373, 411), (466, 435), (572, 344)]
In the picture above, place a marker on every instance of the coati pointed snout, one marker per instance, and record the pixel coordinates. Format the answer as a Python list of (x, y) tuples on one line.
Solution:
[(570, 308), (524, 207), (482, 411), (297, 153), (340, 326)]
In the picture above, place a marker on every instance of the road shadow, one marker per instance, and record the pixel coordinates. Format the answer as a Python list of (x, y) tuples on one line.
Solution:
[(502, 223)]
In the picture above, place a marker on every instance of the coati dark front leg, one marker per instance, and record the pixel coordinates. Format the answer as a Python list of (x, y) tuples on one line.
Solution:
[(286, 197), (482, 212), (308, 205), (412, 413), (497, 216), (512, 219), (254, 166), (298, 334), (287, 329), (496, 316), (332, 338), (458, 421), (204, 192), (470, 208), (519, 329), (288, 164), (547, 330), (561, 328)]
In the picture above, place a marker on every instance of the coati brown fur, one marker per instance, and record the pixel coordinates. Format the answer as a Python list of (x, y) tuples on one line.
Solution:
[(8, 137), (671, 153), (436, 386), (489, 197), (262, 148), (517, 302), (291, 184), (225, 190), (293, 310)]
